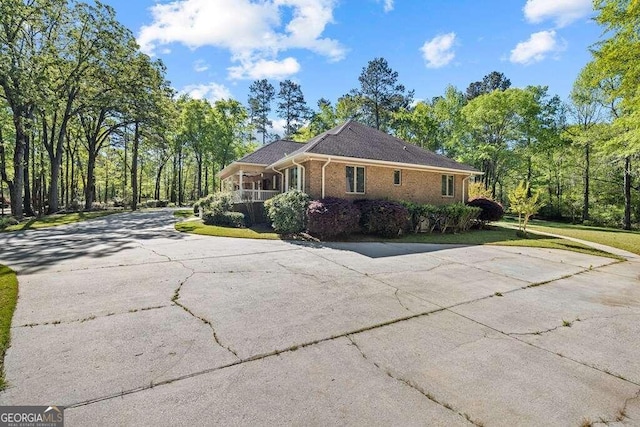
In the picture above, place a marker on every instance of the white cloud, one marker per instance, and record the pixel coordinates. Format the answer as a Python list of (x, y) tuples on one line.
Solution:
[(251, 30), (264, 69), (200, 66), (212, 92), (536, 48), (438, 51), (388, 5), (562, 12), (278, 126)]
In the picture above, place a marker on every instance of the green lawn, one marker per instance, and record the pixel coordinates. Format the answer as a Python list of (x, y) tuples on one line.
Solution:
[(496, 235), (197, 227), (621, 239), (58, 219), (8, 298), (183, 213)]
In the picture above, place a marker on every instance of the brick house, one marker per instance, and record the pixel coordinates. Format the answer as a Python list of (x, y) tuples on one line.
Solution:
[(351, 161)]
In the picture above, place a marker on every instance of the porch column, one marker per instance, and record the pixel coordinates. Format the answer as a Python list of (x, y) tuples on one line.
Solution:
[(240, 183)]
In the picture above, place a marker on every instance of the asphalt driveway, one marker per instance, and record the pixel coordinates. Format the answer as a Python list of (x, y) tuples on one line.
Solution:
[(126, 322)]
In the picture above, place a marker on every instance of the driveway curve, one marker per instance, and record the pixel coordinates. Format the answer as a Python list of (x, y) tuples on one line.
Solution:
[(124, 321)]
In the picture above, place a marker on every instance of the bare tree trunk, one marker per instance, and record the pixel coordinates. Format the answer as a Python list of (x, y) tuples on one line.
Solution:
[(627, 193), (585, 179), (134, 167)]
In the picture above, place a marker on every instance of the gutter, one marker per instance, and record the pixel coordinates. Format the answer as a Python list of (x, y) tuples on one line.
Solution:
[(323, 175)]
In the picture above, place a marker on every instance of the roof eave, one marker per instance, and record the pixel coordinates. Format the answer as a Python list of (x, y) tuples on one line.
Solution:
[(225, 172), (286, 161)]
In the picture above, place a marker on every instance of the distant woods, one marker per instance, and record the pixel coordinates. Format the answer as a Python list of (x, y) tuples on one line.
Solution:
[(88, 121)]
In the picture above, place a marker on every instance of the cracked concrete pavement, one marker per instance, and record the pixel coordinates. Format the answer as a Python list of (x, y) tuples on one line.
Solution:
[(125, 321)]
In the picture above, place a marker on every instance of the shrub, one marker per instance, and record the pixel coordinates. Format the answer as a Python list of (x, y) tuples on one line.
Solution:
[(7, 221), (331, 217), (490, 210), (287, 211), (382, 217), (151, 203), (458, 217), (216, 203), (225, 219), (162, 203)]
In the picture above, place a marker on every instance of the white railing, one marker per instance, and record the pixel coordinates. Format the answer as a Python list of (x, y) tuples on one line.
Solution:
[(243, 196)]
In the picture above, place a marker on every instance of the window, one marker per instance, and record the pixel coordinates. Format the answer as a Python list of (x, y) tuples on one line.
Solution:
[(447, 185), (397, 177), (355, 179), (293, 178)]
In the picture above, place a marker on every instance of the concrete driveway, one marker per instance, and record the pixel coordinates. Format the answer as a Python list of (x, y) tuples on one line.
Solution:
[(127, 322)]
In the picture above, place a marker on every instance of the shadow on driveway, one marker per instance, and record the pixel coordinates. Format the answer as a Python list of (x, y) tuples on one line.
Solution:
[(32, 251)]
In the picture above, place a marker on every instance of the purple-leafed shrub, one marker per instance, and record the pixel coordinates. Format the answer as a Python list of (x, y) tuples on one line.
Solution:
[(332, 217), (382, 217), (490, 209)]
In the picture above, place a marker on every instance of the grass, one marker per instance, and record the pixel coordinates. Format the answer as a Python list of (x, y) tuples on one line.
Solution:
[(183, 213), (57, 219), (197, 227), (620, 239), (496, 235), (8, 299)]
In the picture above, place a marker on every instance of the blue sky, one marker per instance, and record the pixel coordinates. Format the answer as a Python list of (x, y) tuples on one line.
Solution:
[(216, 48)]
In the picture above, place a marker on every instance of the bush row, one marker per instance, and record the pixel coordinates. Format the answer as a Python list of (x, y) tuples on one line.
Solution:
[(293, 212), (225, 219)]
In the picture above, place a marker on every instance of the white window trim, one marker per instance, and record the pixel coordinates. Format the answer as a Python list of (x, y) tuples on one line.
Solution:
[(355, 179), (394, 177), (453, 195)]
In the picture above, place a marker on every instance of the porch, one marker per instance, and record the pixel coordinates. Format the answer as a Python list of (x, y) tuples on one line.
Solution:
[(253, 185)]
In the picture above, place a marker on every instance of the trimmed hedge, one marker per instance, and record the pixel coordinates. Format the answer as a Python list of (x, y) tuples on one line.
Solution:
[(225, 219), (490, 209), (455, 217), (332, 217), (382, 217), (287, 211)]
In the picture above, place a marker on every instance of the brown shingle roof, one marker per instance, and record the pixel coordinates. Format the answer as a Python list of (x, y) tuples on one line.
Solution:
[(356, 140), (271, 152)]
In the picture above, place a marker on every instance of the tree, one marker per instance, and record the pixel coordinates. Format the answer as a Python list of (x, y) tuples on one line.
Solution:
[(380, 94), (417, 125), (196, 132), (618, 76), (492, 81), (24, 44), (524, 204), (494, 121), (261, 94), (292, 107), (586, 111)]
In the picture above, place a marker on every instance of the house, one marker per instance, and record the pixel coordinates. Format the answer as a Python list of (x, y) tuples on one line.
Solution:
[(351, 161)]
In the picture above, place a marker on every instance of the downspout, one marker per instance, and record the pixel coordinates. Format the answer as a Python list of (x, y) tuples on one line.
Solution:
[(323, 167), (281, 178), (463, 192), (300, 178)]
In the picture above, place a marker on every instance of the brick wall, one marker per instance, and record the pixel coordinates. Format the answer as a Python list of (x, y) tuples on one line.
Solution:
[(417, 186)]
